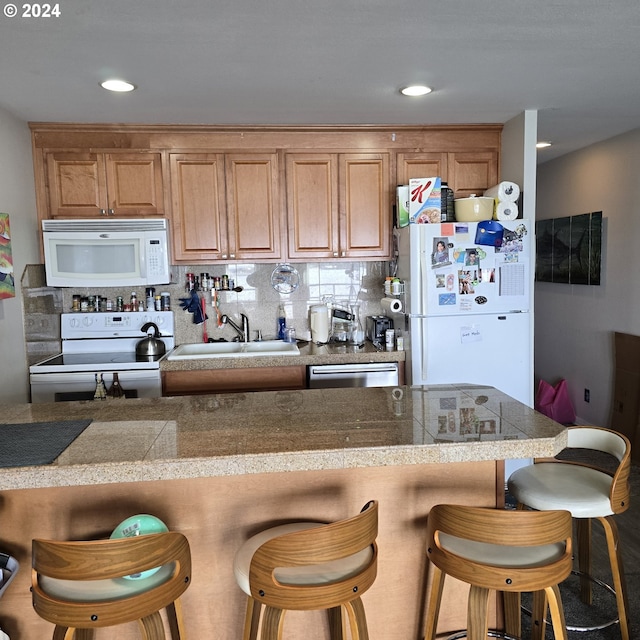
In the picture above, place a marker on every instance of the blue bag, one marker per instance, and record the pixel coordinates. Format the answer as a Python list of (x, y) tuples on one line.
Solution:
[(490, 233)]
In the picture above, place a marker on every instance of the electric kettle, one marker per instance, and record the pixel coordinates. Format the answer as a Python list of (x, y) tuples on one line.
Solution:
[(151, 346), (319, 323)]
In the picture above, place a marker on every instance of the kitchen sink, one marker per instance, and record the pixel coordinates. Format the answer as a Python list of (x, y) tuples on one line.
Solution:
[(234, 350)]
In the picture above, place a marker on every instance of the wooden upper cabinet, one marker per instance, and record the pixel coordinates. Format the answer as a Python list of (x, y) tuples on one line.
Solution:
[(472, 172), (97, 184), (134, 183), (253, 206), (420, 165), (199, 220), (312, 205), (225, 207), (77, 184), (365, 207), (338, 205), (466, 172)]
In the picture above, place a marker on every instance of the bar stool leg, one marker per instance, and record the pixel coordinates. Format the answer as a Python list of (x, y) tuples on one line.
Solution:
[(583, 530), (251, 619), (433, 604), (357, 619), (478, 613), (539, 615), (151, 627), (336, 623), (272, 623), (557, 612), (176, 621), (512, 613), (619, 582)]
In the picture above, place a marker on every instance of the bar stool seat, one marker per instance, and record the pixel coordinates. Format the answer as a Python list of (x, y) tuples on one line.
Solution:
[(80, 586), (506, 551), (308, 566), (590, 492)]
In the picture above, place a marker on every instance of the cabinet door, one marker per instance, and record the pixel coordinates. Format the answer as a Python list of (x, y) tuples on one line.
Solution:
[(312, 205), (77, 185), (365, 207), (420, 165), (199, 211), (472, 172), (253, 206), (134, 184)]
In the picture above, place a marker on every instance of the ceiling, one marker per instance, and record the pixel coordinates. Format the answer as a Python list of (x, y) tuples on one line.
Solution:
[(330, 62)]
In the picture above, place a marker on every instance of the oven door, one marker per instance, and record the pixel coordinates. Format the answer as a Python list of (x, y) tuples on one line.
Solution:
[(69, 386)]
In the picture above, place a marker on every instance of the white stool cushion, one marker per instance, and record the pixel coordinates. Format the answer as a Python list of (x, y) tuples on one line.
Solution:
[(551, 485), (103, 590), (502, 556), (314, 574)]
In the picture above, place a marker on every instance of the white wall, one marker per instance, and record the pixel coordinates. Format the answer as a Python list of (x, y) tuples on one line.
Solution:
[(518, 164), (574, 324), (17, 198)]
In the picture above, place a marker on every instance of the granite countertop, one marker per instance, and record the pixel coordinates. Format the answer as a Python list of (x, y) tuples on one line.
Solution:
[(219, 435), (310, 353)]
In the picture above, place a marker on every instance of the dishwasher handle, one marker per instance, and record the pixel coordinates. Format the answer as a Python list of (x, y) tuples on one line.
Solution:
[(331, 369)]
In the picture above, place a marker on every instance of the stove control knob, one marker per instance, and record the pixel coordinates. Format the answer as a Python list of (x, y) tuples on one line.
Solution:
[(87, 321)]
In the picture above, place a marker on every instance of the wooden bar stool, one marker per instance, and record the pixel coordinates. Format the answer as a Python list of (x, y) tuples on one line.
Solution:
[(307, 566), (507, 551), (589, 492), (80, 586)]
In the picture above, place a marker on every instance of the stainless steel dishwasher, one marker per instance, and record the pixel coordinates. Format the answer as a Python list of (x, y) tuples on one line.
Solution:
[(370, 374)]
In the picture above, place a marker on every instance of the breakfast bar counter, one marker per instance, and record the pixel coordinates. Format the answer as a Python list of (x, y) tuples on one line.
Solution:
[(220, 467)]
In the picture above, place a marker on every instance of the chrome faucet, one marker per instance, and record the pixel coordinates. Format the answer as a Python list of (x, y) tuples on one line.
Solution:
[(242, 333)]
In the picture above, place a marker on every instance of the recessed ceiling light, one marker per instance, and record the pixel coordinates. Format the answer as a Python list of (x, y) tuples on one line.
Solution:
[(415, 90), (117, 85), (542, 145)]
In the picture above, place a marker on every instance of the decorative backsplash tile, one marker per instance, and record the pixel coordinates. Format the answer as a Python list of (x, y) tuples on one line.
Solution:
[(341, 282)]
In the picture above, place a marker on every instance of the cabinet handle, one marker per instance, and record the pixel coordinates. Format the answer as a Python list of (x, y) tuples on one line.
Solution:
[(343, 254), (224, 256), (232, 256), (112, 212), (103, 212), (335, 254)]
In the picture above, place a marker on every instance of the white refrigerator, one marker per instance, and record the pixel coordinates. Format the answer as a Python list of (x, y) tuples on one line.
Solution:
[(469, 305)]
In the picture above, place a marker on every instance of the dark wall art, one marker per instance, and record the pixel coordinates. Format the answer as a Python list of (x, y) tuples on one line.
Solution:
[(569, 249)]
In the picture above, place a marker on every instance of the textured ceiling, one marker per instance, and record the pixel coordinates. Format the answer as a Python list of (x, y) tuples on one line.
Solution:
[(330, 62)]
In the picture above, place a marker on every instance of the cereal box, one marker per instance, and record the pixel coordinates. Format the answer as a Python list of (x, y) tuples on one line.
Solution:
[(424, 200)]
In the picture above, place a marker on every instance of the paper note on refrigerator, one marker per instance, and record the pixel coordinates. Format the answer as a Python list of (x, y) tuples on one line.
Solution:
[(470, 334)]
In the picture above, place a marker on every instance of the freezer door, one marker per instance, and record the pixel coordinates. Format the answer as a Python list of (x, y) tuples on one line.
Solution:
[(493, 349)]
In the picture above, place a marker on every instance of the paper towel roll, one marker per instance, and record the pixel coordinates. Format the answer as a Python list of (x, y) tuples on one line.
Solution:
[(393, 305), (504, 191), (505, 211)]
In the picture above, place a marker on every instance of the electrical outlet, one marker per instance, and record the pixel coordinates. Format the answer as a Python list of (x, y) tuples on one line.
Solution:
[(587, 395)]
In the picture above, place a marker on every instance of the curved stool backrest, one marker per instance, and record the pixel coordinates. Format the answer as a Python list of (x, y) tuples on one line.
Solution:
[(518, 529), (616, 445), (108, 560), (322, 544)]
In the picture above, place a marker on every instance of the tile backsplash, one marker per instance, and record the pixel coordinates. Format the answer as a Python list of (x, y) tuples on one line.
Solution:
[(344, 282)]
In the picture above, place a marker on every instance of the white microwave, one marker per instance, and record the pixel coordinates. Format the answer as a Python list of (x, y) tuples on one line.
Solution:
[(108, 253)]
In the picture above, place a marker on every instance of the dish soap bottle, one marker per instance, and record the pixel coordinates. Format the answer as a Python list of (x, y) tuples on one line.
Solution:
[(282, 322)]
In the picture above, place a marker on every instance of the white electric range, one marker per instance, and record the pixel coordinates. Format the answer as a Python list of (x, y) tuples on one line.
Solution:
[(101, 343)]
